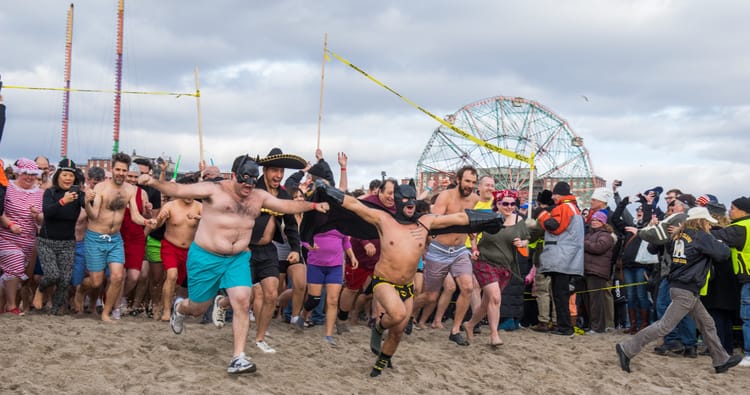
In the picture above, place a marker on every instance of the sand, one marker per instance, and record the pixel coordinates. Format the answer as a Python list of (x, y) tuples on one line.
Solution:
[(81, 355)]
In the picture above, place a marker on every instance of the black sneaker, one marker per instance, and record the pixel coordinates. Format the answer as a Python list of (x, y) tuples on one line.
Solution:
[(459, 339), (625, 360), (730, 363), (690, 352), (563, 332), (477, 329), (670, 348)]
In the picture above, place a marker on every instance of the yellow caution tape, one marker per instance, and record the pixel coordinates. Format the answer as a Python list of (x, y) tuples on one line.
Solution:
[(481, 143), (196, 94)]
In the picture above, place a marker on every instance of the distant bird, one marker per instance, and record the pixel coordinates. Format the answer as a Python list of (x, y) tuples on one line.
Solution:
[(585, 98)]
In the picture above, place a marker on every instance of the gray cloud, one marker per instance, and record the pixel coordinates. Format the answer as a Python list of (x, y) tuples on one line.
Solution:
[(662, 79)]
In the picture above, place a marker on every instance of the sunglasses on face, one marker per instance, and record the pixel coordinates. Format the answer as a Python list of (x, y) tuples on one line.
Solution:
[(507, 204)]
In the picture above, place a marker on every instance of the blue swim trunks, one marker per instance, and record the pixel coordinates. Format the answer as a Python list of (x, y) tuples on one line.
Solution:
[(103, 249), (208, 272)]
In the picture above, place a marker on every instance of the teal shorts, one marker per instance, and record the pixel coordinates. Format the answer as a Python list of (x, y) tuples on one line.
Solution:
[(208, 272), (153, 250), (103, 249)]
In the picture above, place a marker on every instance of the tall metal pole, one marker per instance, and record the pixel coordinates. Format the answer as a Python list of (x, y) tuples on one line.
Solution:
[(200, 118), (118, 76), (322, 80), (66, 95)]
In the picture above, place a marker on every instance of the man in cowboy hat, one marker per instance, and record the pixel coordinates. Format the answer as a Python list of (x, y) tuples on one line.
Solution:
[(264, 262)]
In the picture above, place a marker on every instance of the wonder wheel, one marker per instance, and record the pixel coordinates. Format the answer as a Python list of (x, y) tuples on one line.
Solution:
[(515, 124)]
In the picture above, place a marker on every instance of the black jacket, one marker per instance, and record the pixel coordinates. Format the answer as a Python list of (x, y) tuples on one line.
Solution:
[(290, 222), (692, 254)]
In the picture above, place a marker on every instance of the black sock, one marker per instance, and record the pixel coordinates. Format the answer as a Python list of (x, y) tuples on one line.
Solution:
[(343, 315)]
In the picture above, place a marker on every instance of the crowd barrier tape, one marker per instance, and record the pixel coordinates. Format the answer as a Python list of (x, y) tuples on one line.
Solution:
[(596, 290), (177, 95), (482, 143)]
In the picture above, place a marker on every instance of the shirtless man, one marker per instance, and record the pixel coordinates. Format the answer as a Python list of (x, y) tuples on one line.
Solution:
[(181, 217), (105, 208), (447, 252), (403, 238), (95, 176), (219, 256)]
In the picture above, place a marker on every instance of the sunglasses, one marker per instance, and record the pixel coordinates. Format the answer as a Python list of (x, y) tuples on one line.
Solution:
[(507, 204)]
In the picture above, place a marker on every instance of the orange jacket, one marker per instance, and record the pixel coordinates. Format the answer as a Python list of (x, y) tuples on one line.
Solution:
[(558, 219)]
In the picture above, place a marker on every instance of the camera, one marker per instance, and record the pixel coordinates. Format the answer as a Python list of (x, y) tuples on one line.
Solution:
[(74, 189)]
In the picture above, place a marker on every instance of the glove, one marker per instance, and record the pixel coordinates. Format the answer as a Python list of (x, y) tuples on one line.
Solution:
[(331, 192), (483, 221)]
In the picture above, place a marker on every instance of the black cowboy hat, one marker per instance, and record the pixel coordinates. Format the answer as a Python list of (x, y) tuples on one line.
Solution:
[(276, 158)]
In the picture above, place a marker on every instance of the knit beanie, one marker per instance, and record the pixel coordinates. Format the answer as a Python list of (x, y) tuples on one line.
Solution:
[(562, 188), (742, 203)]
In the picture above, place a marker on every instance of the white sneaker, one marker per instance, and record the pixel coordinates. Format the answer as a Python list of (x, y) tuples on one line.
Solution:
[(252, 316), (745, 363), (241, 364), (218, 316), (265, 347), (116, 314), (177, 319)]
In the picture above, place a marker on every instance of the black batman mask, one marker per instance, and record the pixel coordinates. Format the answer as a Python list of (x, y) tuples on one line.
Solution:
[(247, 172), (405, 195)]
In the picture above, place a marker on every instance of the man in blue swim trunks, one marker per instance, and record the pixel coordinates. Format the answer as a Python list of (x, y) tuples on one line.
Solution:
[(105, 207), (219, 255)]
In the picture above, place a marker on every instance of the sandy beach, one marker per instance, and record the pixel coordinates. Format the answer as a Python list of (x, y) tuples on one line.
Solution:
[(81, 355)]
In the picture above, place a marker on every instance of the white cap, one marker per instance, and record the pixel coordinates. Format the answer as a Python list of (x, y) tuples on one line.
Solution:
[(701, 213), (602, 194)]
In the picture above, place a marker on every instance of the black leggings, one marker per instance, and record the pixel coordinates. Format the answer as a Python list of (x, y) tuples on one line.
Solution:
[(57, 258), (561, 296)]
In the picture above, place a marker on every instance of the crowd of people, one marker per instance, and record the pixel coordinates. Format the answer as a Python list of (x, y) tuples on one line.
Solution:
[(306, 250)]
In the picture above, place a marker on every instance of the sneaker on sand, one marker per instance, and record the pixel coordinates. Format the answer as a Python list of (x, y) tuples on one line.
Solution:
[(342, 327), (297, 323), (116, 314), (459, 339), (265, 347), (241, 364), (218, 316), (745, 363), (733, 361), (331, 341), (177, 320)]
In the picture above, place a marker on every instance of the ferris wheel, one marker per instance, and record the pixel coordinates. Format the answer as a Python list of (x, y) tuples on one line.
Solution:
[(515, 124)]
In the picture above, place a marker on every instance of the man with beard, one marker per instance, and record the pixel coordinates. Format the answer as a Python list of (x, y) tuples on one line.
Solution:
[(448, 253), (105, 208), (264, 262)]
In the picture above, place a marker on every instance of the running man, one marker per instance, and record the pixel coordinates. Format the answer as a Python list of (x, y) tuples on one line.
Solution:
[(403, 238), (219, 255)]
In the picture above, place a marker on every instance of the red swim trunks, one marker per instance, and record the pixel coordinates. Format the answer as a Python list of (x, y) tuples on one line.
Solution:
[(173, 257)]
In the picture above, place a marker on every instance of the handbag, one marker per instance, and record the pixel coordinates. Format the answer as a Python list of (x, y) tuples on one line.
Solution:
[(645, 257)]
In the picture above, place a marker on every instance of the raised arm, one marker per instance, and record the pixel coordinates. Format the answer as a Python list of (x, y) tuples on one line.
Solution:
[(201, 190)]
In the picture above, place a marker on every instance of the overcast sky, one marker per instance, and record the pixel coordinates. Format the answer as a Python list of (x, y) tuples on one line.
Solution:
[(666, 81)]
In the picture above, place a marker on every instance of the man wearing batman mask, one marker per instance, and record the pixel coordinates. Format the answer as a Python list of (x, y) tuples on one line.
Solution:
[(403, 238), (219, 255)]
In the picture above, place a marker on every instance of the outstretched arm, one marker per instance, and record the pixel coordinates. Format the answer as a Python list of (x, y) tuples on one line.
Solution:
[(201, 190), (289, 206)]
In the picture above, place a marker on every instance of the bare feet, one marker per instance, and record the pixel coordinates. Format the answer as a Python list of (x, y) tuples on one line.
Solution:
[(107, 318), (495, 343), (469, 332), (78, 302), (38, 299), (437, 325), (164, 318)]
